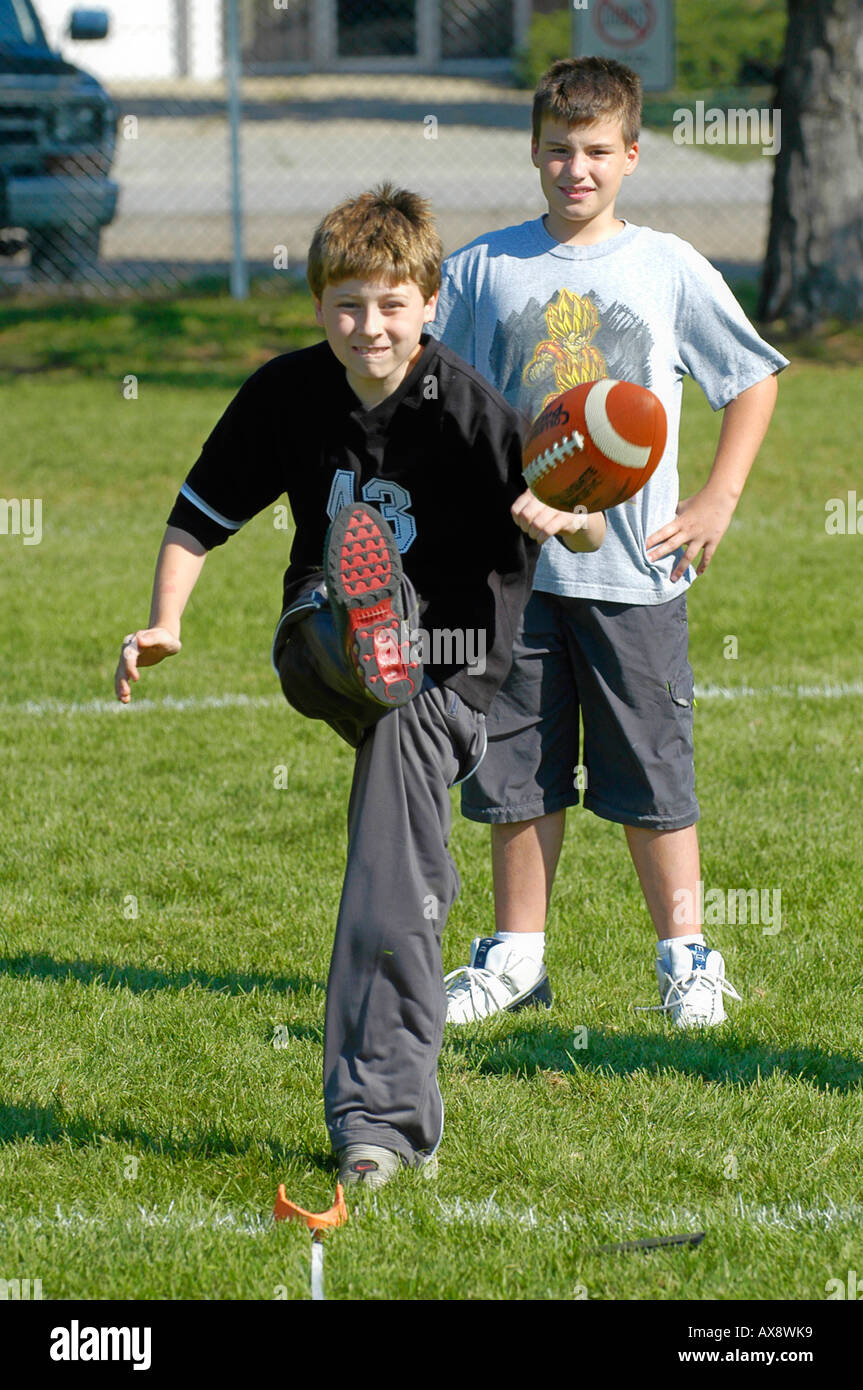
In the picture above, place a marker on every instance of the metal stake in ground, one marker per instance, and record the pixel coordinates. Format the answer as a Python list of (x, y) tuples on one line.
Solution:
[(318, 1223), (318, 1295)]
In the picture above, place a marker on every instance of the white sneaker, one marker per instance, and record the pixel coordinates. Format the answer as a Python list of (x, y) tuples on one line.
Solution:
[(499, 978), (691, 985), (368, 1167)]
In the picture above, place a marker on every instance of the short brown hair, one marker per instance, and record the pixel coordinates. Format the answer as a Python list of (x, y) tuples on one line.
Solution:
[(578, 91), (386, 235)]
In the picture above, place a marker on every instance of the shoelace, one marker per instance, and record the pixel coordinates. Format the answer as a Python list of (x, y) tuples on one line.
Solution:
[(682, 988), (481, 980)]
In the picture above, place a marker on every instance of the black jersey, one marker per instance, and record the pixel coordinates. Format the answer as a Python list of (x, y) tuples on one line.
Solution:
[(440, 458)]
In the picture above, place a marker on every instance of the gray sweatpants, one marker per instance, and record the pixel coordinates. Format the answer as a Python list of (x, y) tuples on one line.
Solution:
[(385, 995)]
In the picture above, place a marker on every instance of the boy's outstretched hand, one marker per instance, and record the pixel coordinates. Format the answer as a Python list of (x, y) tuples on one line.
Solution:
[(577, 530), (145, 648), (699, 526)]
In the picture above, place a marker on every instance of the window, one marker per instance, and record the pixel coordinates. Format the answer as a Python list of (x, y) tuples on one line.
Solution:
[(19, 27), (377, 28), (477, 28)]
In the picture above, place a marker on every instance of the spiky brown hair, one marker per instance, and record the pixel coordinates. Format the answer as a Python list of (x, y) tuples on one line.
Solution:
[(578, 91), (385, 236)]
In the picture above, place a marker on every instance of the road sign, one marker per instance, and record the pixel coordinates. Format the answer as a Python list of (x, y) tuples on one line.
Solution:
[(639, 33)]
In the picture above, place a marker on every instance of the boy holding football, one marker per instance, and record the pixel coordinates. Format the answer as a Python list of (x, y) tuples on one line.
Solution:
[(574, 296), (401, 465)]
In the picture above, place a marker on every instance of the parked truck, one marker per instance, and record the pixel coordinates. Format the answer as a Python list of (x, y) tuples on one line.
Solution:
[(57, 139)]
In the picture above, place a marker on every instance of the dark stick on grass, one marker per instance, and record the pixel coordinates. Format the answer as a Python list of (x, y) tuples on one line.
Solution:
[(653, 1242)]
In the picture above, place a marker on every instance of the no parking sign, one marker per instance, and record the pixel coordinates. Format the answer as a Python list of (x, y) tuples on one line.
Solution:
[(639, 33)]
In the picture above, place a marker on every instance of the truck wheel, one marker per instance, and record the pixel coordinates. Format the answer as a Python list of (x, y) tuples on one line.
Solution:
[(65, 253)]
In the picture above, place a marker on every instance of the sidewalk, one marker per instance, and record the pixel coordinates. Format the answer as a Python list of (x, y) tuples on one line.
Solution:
[(308, 141)]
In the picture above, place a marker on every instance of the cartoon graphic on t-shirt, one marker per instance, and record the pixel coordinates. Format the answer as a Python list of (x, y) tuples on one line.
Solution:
[(566, 357), (541, 350)]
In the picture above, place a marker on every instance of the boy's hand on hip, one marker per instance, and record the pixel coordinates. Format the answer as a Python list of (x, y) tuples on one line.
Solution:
[(145, 648), (699, 525)]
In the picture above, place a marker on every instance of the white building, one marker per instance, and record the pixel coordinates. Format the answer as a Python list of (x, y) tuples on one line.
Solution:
[(169, 39), (162, 39)]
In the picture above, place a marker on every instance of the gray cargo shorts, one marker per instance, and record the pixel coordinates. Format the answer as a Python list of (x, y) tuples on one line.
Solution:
[(623, 669)]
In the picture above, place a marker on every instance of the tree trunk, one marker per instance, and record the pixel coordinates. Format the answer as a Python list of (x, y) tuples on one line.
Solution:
[(814, 265)]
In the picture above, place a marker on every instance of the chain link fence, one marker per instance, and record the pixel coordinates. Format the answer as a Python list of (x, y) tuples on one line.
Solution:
[(115, 160)]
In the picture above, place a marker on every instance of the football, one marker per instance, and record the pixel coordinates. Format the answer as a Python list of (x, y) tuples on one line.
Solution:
[(595, 446)]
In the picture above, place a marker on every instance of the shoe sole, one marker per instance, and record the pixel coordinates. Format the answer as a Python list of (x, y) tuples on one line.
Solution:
[(357, 1184), (700, 1021), (540, 997), (365, 1173), (364, 575)]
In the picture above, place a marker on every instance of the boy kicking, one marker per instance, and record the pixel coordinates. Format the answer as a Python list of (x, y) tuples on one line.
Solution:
[(577, 295), (406, 580)]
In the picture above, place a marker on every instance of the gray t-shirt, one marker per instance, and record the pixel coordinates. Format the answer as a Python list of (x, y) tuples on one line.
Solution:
[(536, 317)]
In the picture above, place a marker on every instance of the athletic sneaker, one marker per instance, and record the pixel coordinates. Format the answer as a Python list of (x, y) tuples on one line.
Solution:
[(498, 979), (364, 578), (691, 985), (368, 1166)]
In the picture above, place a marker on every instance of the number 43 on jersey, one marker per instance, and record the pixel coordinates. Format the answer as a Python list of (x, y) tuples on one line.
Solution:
[(391, 499)]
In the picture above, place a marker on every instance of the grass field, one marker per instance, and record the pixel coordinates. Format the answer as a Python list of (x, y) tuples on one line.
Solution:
[(166, 911)]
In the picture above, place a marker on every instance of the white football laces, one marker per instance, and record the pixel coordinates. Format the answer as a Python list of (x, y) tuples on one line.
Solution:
[(551, 457)]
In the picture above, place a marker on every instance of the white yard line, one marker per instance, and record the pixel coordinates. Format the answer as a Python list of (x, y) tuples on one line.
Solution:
[(170, 704), (488, 1212), (621, 1222), (830, 690)]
